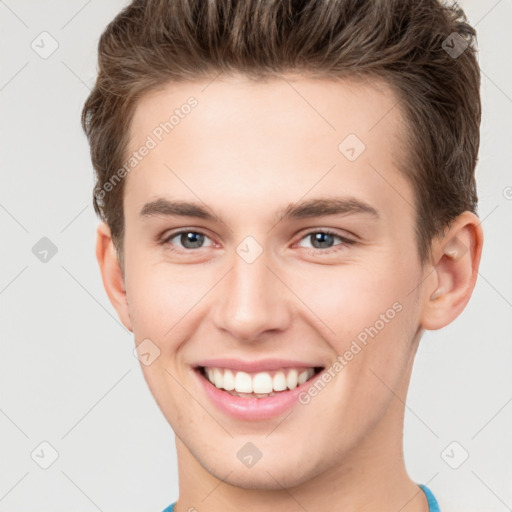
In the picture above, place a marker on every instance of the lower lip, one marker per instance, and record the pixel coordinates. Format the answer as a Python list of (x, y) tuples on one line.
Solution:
[(252, 408)]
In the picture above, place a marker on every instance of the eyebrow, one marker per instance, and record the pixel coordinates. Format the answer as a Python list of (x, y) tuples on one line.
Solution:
[(304, 209), (328, 206)]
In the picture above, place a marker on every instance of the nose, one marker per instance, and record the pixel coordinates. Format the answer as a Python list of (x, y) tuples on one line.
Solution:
[(252, 301)]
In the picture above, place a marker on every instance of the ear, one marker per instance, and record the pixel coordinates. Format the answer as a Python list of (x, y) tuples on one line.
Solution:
[(111, 273), (455, 261)]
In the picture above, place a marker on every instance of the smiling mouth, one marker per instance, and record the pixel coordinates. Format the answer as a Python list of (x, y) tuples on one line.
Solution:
[(260, 384)]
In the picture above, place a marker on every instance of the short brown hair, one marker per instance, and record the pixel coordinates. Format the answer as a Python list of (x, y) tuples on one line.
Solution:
[(413, 45)]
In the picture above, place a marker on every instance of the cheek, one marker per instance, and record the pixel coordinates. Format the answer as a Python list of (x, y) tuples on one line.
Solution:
[(367, 314), (160, 295), (349, 298)]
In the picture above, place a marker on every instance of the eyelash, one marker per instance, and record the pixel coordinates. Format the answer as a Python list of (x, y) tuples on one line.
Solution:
[(344, 241)]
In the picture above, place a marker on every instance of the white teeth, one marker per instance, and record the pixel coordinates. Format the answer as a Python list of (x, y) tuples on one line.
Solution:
[(217, 378), (279, 381), (261, 383), (229, 380), (303, 377), (243, 382), (291, 379)]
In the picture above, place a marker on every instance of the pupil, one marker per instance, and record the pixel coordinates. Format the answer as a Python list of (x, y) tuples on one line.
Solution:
[(321, 239), (192, 240)]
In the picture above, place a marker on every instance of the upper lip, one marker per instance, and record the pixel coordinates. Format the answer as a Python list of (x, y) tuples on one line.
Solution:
[(254, 366)]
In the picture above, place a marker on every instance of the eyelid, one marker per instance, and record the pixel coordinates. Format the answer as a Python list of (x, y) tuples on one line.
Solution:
[(342, 233)]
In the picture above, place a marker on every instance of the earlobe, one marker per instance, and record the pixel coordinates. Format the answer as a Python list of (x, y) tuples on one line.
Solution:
[(111, 273), (456, 257)]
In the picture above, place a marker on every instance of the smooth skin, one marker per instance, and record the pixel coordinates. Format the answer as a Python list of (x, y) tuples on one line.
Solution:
[(246, 152)]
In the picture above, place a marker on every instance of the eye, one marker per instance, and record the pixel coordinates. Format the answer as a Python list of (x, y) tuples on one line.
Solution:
[(324, 239), (187, 239)]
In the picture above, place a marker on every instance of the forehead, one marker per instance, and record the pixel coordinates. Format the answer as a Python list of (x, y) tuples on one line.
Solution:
[(283, 138), (305, 107)]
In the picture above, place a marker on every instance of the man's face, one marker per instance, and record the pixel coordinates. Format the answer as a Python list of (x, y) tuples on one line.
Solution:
[(252, 285)]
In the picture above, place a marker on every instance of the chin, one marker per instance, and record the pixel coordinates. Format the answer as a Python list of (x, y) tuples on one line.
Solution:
[(283, 474)]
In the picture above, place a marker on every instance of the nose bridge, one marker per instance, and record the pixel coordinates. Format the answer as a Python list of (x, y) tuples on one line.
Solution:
[(252, 300)]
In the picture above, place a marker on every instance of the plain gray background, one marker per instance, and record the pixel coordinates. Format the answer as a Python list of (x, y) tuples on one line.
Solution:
[(68, 376)]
